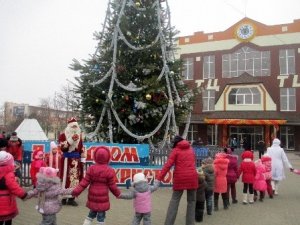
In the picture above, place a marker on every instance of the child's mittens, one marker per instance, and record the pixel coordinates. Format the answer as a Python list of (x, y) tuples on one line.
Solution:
[(74, 193), (30, 194), (68, 191), (296, 171), (120, 196), (157, 183), (40, 210)]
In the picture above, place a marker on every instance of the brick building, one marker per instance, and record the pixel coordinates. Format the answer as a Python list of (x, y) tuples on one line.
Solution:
[(249, 77)]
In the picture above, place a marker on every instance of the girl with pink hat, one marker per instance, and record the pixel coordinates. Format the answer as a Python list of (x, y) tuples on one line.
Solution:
[(48, 190)]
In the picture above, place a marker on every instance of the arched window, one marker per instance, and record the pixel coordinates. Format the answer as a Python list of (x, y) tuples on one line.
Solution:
[(253, 62), (244, 96)]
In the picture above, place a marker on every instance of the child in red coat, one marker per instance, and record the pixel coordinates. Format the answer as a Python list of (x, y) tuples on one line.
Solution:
[(100, 178), (36, 164), (248, 171), (9, 189)]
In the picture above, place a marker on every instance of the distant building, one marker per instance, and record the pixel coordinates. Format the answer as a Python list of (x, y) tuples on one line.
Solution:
[(52, 121), (249, 77)]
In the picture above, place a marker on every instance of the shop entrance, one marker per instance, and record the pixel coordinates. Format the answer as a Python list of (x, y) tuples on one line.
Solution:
[(247, 135)]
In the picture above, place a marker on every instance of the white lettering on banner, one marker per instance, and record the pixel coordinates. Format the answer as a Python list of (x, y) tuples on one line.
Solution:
[(295, 81)]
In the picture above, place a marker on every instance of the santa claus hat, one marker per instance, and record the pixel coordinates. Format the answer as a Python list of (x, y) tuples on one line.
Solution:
[(72, 120), (48, 172), (52, 145), (37, 153), (6, 158)]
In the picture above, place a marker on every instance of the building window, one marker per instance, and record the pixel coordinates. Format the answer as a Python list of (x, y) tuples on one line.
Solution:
[(244, 96), (287, 99), (192, 133), (255, 63), (188, 69), (209, 67), (211, 135), (208, 99), (287, 137), (287, 61)]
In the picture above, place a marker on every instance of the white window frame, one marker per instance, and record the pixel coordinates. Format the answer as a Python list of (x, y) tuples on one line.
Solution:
[(237, 96), (192, 132), (286, 136), (209, 67), (287, 61), (288, 95), (208, 97), (253, 62), (211, 134), (188, 69)]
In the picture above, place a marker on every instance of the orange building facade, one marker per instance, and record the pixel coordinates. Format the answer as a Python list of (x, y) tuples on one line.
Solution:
[(250, 88)]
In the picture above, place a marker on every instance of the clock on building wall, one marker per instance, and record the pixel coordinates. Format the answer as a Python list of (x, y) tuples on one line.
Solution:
[(245, 31)]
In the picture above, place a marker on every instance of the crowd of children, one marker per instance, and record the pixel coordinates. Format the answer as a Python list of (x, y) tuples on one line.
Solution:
[(204, 184), (258, 177)]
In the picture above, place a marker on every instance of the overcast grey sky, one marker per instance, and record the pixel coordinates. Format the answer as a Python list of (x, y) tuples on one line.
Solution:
[(39, 38)]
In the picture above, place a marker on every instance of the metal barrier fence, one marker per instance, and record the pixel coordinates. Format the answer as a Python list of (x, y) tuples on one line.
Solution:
[(157, 157)]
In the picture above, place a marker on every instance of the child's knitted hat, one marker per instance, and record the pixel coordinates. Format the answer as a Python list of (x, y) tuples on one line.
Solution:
[(139, 177), (37, 154), (207, 161), (48, 172), (247, 155), (6, 158), (200, 171), (52, 145), (228, 150), (266, 158)]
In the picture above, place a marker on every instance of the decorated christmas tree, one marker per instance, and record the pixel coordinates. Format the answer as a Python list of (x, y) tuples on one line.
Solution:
[(131, 88)]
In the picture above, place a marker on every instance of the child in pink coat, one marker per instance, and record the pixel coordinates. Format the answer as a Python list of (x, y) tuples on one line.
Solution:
[(220, 167), (142, 198), (267, 161), (259, 181)]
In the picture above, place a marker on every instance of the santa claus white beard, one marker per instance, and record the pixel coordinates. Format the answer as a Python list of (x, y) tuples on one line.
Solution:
[(69, 132)]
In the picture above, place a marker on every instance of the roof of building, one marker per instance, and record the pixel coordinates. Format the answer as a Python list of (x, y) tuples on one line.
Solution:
[(30, 130)]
